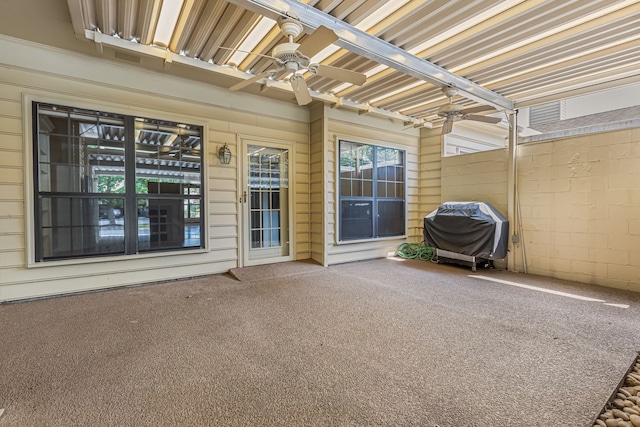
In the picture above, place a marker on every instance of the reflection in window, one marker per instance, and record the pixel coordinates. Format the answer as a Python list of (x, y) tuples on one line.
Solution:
[(113, 184), (372, 189), (268, 181)]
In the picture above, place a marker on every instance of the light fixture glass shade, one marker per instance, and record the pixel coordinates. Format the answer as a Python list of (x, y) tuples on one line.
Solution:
[(224, 155)]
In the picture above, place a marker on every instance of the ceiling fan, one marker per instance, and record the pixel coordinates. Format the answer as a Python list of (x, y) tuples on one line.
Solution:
[(293, 59), (455, 112)]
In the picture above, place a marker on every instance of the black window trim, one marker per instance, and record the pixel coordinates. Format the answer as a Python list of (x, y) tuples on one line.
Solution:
[(33, 204), (338, 235)]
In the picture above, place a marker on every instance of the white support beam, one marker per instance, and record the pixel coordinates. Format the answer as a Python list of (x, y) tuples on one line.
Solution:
[(169, 57), (375, 49)]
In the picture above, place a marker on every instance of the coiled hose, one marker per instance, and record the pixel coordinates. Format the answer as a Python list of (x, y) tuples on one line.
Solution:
[(416, 251)]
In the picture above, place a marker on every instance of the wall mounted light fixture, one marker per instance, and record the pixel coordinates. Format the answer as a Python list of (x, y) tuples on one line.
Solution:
[(224, 154)]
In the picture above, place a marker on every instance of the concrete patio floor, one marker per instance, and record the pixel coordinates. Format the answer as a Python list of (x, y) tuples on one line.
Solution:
[(383, 342)]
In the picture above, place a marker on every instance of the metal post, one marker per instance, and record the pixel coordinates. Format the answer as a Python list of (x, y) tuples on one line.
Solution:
[(512, 190)]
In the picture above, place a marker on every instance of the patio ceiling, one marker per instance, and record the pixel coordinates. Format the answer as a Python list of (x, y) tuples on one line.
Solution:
[(504, 53)]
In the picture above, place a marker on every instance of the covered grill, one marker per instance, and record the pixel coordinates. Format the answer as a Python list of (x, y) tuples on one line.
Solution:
[(467, 232)]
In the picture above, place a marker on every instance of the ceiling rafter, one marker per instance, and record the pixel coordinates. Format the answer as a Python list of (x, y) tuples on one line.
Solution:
[(185, 25), (629, 49), (375, 49), (561, 39), (542, 27), (520, 50), (149, 12)]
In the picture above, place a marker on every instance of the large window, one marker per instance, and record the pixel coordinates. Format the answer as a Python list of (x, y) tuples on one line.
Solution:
[(372, 191), (111, 184)]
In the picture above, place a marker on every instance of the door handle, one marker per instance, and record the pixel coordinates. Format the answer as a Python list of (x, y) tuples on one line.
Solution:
[(244, 198)]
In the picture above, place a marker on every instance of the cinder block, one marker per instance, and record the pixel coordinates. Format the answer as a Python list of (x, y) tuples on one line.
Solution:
[(627, 165), (524, 163), (602, 139), (560, 185), (536, 212), (617, 197), (535, 149), (574, 156), (623, 179), (543, 160), (598, 153), (537, 250), (606, 226), (580, 212), (570, 225), (623, 213), (541, 237), (609, 256), (626, 150), (537, 199), (573, 253), (580, 184), (623, 241), (529, 186), (581, 239), (561, 172), (569, 146), (560, 265), (624, 272), (540, 224), (542, 264), (591, 269)]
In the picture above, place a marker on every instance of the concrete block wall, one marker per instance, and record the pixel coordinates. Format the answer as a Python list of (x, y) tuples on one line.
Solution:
[(580, 204), (480, 177)]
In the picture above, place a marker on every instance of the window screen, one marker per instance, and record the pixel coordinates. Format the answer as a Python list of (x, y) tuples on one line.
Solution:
[(372, 191), (111, 184)]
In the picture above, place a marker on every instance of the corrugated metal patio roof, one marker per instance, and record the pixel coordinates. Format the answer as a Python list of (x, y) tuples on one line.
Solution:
[(505, 53)]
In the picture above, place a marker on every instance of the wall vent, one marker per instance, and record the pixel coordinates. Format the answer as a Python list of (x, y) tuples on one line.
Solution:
[(127, 57), (547, 113)]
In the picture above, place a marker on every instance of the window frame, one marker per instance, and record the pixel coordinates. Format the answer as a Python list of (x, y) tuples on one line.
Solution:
[(375, 199), (30, 102)]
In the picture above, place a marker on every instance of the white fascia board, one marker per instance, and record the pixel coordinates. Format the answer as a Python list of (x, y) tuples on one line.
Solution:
[(375, 49)]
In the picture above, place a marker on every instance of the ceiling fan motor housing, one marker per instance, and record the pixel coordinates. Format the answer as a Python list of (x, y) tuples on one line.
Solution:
[(288, 52), (450, 110)]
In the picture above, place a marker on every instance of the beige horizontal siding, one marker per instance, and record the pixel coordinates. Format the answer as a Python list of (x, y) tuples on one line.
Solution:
[(127, 90), (353, 127)]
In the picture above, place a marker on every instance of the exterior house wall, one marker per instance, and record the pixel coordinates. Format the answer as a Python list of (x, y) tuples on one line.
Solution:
[(430, 174), (318, 185), (350, 126), (30, 71)]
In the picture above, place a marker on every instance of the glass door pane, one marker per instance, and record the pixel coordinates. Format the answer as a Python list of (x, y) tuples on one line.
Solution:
[(267, 204)]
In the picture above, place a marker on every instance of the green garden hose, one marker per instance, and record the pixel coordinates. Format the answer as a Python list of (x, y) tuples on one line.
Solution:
[(416, 251)]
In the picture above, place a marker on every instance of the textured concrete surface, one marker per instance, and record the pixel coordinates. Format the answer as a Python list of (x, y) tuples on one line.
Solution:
[(372, 343)]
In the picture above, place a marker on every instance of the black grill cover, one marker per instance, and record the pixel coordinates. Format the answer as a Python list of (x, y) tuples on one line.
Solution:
[(469, 228)]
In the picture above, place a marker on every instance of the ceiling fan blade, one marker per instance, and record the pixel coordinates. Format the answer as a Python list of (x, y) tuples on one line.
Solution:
[(478, 109), (316, 41), (250, 81), (486, 119), (341, 74), (300, 90), (447, 127)]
